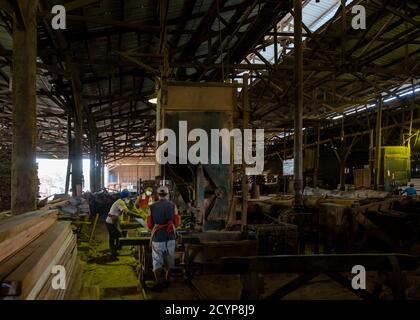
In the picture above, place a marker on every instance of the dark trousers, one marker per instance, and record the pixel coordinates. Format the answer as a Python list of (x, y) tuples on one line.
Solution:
[(114, 235)]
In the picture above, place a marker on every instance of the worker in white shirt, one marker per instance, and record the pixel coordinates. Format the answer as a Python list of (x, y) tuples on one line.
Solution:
[(112, 221)]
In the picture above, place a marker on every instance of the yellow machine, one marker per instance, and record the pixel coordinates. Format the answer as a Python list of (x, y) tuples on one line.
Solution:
[(395, 166)]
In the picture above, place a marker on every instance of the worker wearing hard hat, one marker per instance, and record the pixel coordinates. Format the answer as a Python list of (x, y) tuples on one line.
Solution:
[(113, 222), (162, 220)]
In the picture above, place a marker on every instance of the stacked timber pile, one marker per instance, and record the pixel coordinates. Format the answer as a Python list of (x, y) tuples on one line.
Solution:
[(38, 258)]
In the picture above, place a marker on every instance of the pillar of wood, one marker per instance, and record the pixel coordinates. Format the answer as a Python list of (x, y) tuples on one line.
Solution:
[(99, 177), (103, 181), (316, 169), (77, 161), (298, 114), (371, 156), (24, 174), (245, 121), (92, 170), (378, 144), (69, 155)]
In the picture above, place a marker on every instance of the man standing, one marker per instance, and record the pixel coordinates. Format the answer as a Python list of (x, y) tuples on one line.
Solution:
[(113, 224), (162, 220)]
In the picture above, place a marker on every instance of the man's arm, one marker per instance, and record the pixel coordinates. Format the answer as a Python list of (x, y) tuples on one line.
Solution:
[(137, 204), (133, 214), (122, 206)]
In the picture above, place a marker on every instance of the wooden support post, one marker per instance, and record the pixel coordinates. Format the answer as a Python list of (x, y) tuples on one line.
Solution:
[(276, 48), (104, 183), (342, 174), (69, 154), (371, 157), (342, 158), (99, 176), (316, 171), (24, 175), (298, 116), (378, 144), (77, 164), (93, 157), (245, 121), (92, 164), (410, 130)]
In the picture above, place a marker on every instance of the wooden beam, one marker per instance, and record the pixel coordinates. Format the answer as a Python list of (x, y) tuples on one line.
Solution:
[(378, 145), (139, 63), (245, 124), (77, 161), (24, 172), (110, 22)]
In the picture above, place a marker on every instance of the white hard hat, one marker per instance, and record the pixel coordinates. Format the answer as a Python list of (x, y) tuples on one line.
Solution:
[(163, 190)]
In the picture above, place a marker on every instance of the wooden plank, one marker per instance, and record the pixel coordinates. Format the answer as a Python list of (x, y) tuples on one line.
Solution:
[(11, 245), (58, 259), (10, 264), (67, 261), (76, 283), (21, 281), (15, 225)]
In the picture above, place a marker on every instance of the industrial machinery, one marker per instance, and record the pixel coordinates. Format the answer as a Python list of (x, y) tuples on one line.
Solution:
[(201, 107), (395, 166)]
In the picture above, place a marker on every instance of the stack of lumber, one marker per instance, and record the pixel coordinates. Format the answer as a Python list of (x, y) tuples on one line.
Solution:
[(31, 245)]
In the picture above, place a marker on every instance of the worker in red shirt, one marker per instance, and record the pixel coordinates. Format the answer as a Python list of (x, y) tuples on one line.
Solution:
[(145, 199)]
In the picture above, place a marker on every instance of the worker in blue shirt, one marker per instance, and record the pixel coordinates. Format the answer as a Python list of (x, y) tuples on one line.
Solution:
[(410, 191)]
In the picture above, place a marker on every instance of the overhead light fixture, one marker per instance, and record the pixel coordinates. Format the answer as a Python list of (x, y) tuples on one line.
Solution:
[(153, 100)]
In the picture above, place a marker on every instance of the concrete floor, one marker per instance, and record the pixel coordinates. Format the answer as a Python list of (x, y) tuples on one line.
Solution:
[(117, 280)]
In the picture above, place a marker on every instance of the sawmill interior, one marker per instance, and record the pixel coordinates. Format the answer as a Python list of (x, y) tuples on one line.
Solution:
[(209, 149)]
